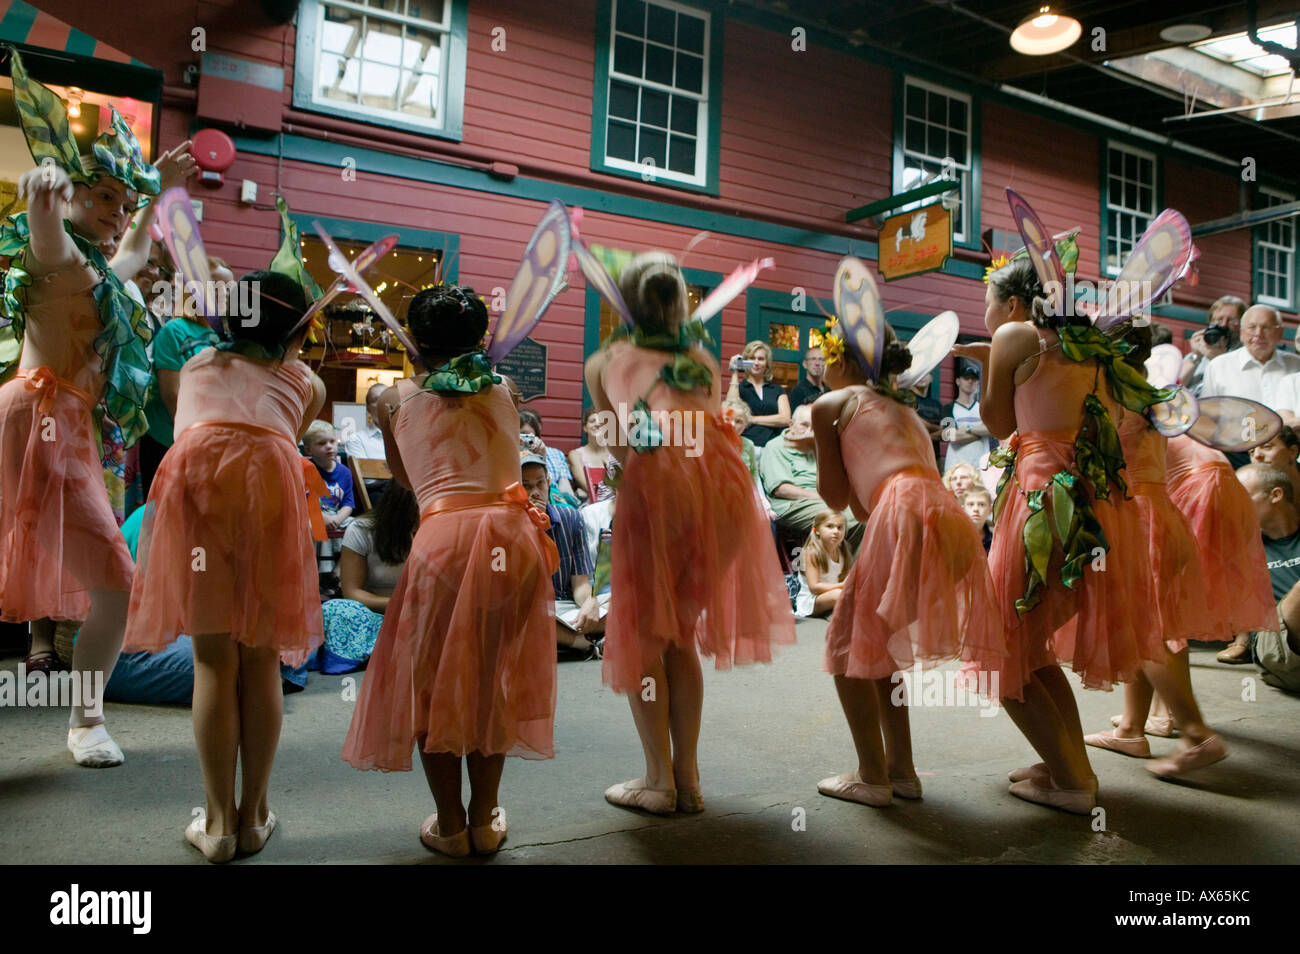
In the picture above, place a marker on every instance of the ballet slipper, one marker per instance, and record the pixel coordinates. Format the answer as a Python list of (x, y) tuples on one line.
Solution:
[(1042, 776), (1160, 727), (1067, 800), (906, 787), (690, 803), (851, 788), (1236, 654), (93, 747), (635, 794), (1190, 758), (1137, 748), (216, 848), (254, 838), (486, 839), (453, 846)]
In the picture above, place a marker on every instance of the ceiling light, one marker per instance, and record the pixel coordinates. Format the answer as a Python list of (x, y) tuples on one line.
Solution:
[(1185, 33), (1045, 32)]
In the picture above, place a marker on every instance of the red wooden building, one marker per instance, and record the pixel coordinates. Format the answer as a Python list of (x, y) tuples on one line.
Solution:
[(453, 122)]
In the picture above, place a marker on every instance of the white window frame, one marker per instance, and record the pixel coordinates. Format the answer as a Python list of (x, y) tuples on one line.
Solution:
[(1289, 254), (702, 144), (1113, 206), (308, 98), (963, 165)]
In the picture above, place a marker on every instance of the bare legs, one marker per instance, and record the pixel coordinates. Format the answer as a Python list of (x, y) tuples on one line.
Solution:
[(881, 731), (1049, 720), (238, 706), (667, 711), (442, 770)]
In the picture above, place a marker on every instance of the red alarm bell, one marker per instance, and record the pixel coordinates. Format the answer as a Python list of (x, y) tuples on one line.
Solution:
[(214, 153)]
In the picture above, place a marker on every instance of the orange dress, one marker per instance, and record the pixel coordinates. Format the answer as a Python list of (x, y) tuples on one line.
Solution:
[(919, 589), (1229, 544), (1100, 626), (466, 655), (58, 535), (225, 545), (1179, 610), (692, 561)]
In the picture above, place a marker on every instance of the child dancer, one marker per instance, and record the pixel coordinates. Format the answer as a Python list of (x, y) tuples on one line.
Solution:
[(465, 660), (920, 589), (693, 562), (825, 566), (78, 339), (1063, 474), (226, 555)]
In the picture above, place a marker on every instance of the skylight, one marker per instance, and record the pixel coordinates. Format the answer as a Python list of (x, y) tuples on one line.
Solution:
[(1238, 50)]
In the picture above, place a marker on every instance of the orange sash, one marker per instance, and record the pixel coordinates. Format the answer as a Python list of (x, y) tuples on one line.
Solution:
[(513, 496)]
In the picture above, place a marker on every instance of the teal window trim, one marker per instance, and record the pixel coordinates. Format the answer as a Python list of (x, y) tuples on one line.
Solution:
[(453, 77), (972, 239), (600, 103), (1103, 191), (1256, 237), (758, 299), (591, 319)]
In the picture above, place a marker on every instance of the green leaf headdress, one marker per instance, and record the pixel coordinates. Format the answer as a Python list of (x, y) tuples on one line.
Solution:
[(44, 119)]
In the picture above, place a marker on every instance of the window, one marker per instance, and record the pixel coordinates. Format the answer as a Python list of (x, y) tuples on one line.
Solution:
[(395, 63), (935, 126), (1130, 202), (1275, 254), (655, 112)]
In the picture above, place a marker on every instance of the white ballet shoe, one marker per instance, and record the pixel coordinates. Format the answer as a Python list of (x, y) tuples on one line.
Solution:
[(851, 788), (93, 747)]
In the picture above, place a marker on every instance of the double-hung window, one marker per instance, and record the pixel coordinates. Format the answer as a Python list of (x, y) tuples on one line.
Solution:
[(1275, 256), (1130, 203), (936, 136)]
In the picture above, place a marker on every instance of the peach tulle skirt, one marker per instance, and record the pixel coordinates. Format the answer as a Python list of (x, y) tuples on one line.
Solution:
[(58, 535), (465, 657), (919, 589), (1101, 627), (693, 563), (225, 546), (1228, 542), (1179, 610)]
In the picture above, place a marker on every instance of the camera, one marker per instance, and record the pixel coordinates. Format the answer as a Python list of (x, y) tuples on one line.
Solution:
[(741, 364), (1216, 334), (528, 440)]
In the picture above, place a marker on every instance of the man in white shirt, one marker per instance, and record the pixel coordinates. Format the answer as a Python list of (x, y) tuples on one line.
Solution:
[(1258, 370), (369, 443)]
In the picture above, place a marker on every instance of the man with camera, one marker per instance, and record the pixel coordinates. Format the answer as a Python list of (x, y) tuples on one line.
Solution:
[(1219, 337), (1258, 370)]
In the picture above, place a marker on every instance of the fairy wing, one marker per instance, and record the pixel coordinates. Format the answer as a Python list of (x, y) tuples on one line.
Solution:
[(602, 281), (1234, 424), (857, 304), (1163, 365), (929, 346), (1175, 416), (339, 262), (1041, 249), (537, 281), (1157, 261), (180, 231), (731, 286), (361, 264)]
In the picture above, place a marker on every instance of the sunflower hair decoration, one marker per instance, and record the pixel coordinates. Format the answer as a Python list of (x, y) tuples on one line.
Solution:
[(994, 265), (832, 342)]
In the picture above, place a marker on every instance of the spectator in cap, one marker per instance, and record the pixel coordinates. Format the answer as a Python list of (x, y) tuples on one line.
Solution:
[(968, 439)]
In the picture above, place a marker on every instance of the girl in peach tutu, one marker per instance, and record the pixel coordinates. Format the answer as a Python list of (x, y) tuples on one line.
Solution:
[(693, 562), (1063, 474), (78, 340), (919, 590), (464, 666), (226, 555), (1224, 541)]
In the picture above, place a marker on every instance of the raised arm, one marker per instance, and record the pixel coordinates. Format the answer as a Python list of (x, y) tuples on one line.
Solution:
[(46, 189)]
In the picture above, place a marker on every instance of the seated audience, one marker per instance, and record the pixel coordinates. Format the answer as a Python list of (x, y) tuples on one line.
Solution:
[(823, 566), (1258, 370), (590, 461), (579, 613), (1282, 452), (768, 404), (322, 445), (788, 470), (557, 468), (737, 415), (1278, 653), (978, 504)]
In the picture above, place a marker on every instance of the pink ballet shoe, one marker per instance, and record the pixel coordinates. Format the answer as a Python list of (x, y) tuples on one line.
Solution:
[(1078, 802), (1042, 776), (1162, 728), (635, 794), (851, 788), (216, 848), (254, 838), (906, 787), (486, 839), (1189, 758), (92, 747), (1137, 748), (689, 803), (453, 846)]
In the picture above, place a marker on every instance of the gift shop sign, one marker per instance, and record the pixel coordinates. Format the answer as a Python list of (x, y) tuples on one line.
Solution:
[(915, 242)]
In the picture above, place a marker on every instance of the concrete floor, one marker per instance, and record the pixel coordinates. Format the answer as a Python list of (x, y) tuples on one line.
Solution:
[(770, 733)]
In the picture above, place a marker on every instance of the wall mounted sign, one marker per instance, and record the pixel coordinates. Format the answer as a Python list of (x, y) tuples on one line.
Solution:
[(915, 242), (526, 365)]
